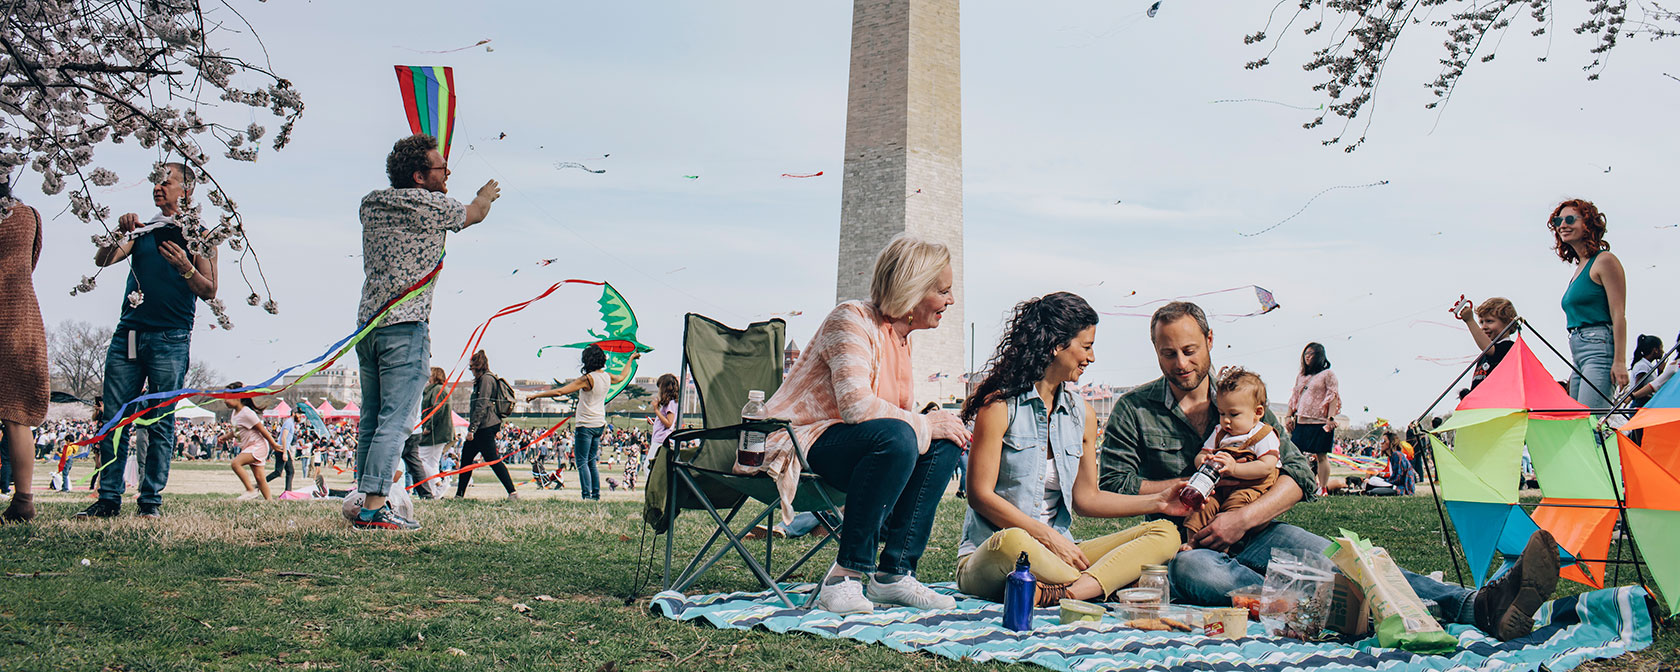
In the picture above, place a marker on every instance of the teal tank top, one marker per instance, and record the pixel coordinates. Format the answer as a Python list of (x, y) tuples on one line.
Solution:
[(1584, 301)]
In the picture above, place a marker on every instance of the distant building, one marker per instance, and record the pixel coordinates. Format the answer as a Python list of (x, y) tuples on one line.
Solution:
[(339, 385), (790, 356)]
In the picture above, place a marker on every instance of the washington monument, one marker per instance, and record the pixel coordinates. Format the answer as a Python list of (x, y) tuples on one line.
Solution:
[(903, 167)]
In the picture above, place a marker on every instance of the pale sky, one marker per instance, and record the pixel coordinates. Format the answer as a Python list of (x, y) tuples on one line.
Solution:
[(1067, 108)]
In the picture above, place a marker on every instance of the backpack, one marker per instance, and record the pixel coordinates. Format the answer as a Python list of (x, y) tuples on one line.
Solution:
[(502, 397)]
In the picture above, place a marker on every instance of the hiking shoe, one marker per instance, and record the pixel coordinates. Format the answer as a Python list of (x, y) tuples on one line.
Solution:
[(513, 496), (1505, 606), (148, 511), (103, 508), (843, 596), (384, 519), (907, 592)]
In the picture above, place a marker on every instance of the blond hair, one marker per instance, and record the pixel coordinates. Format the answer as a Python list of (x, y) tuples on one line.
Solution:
[(904, 272), (1499, 308)]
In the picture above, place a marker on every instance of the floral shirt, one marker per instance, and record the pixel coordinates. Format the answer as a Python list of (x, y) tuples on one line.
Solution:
[(402, 238)]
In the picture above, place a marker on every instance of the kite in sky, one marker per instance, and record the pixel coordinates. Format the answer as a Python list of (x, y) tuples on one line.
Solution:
[(573, 164), (1309, 202), (815, 174), (618, 339), (1268, 102), (479, 43), (1152, 9), (546, 262), (1268, 303), (692, 177), (428, 94)]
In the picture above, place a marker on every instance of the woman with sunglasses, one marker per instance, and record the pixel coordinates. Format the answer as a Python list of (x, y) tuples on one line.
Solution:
[(1594, 303)]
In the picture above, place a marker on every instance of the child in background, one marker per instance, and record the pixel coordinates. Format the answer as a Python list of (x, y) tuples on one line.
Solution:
[(1490, 321), (1245, 448), (254, 443)]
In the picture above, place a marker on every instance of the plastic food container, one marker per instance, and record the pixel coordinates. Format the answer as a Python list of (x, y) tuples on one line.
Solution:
[(1076, 611), (1226, 622)]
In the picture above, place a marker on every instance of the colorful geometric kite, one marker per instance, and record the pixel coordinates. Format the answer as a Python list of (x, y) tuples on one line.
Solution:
[(618, 339), (428, 93), (1651, 469)]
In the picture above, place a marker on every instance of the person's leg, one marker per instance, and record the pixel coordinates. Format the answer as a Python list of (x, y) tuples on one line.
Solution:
[(256, 468), (1206, 577), (124, 378), (984, 572), (490, 454), (1321, 466), (911, 520), (367, 359), (871, 462), (402, 353), (18, 445), (585, 451), (1117, 559), (165, 355), (429, 456), (1594, 351), (469, 456), (413, 468), (238, 465)]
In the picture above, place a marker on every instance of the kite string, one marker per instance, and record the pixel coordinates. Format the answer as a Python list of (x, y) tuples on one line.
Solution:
[(1310, 202), (1186, 296), (496, 461)]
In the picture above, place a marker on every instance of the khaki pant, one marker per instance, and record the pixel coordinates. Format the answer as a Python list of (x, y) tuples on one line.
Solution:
[(1116, 559)]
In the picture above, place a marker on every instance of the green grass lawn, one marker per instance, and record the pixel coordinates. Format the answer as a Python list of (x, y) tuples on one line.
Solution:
[(204, 588)]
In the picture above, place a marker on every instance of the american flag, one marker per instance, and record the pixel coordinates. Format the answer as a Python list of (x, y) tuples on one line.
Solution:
[(935, 377)]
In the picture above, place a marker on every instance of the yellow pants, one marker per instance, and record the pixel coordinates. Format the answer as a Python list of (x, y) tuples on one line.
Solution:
[(1116, 559)]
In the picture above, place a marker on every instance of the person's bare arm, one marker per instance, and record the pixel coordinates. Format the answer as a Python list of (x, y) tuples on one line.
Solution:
[(1229, 527), (1614, 279), (1091, 501), (579, 383), (199, 271), (479, 208), (1469, 317), (985, 457), (105, 256), (623, 373), (1261, 467)]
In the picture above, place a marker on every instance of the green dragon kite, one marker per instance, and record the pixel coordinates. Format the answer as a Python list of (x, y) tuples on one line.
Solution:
[(619, 339)]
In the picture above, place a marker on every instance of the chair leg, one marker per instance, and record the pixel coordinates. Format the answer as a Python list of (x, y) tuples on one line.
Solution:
[(695, 567), (746, 556), (717, 555)]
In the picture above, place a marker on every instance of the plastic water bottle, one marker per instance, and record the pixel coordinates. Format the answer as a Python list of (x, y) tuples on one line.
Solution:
[(751, 450), (1196, 491), (1020, 592)]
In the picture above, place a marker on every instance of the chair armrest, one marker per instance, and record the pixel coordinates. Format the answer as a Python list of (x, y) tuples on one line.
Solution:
[(730, 431)]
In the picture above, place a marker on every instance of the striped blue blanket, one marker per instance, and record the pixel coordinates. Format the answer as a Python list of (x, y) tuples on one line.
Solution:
[(1600, 624)]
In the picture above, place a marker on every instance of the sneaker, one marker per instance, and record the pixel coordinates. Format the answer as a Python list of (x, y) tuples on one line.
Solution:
[(908, 592), (103, 508), (148, 511), (249, 494), (843, 597), (513, 496), (384, 519), (1505, 606)]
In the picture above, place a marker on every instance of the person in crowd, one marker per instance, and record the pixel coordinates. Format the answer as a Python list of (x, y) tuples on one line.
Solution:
[(1313, 406), (23, 346), (403, 229), (1594, 303), (288, 452), (435, 436), (150, 348), (591, 415), (483, 427), (1492, 325), (1033, 466), (1647, 366), (1244, 448), (850, 404), (1400, 472), (254, 443), (1155, 430), (664, 418)]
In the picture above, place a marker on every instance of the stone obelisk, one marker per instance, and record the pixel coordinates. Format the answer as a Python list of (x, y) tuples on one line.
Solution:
[(903, 166)]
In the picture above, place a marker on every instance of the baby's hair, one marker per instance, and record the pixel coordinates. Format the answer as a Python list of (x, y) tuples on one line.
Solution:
[(1242, 380)]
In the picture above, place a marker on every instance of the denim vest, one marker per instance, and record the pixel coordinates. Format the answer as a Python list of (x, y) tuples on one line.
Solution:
[(1021, 472)]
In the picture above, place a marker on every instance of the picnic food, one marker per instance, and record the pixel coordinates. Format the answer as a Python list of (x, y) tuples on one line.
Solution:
[(1159, 624), (1402, 620)]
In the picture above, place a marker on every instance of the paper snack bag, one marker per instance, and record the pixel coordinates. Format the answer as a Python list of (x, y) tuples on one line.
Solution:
[(1402, 620)]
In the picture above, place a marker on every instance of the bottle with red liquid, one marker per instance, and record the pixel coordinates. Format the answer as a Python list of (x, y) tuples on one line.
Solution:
[(750, 452), (1196, 490)]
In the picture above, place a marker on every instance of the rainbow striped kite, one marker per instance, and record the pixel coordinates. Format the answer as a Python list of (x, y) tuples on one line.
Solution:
[(428, 93)]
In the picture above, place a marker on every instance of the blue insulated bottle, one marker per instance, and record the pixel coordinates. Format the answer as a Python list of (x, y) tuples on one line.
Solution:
[(1019, 593)]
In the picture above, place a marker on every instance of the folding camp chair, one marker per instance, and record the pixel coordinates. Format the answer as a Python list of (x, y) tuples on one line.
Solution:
[(725, 364)]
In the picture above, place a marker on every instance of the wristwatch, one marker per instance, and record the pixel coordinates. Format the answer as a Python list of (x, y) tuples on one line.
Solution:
[(191, 271)]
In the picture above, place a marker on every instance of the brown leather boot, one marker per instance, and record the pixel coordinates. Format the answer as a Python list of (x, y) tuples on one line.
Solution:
[(1050, 595), (21, 510)]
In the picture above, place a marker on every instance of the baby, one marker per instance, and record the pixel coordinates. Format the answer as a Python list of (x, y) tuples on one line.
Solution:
[(1244, 448)]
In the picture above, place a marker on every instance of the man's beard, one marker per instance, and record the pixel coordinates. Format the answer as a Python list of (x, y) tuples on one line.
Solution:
[(1173, 381)]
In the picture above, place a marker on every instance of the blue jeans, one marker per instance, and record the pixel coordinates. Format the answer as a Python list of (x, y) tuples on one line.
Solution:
[(1206, 577), (586, 449), (160, 365), (1594, 351), (394, 361), (885, 481)]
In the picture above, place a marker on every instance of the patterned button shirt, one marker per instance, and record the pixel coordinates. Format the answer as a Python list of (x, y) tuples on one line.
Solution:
[(402, 237), (1149, 438)]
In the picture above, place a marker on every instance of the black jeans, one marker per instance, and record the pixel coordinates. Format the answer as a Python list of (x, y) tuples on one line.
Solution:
[(886, 481), (482, 444), (284, 463)]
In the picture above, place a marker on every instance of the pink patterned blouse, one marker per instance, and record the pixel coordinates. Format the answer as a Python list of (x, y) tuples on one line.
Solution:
[(1316, 398)]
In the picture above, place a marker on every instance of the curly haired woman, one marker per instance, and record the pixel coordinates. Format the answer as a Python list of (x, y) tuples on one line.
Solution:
[(1034, 465), (1594, 303)]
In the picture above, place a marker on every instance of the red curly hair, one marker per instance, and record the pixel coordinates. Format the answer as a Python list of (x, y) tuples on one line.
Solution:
[(1590, 218)]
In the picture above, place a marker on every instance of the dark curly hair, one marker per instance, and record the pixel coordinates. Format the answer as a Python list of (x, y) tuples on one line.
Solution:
[(1037, 328), (408, 157), (1590, 218), (594, 358)]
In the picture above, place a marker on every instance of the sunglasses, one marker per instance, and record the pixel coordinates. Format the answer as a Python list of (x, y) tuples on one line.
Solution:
[(1560, 221)]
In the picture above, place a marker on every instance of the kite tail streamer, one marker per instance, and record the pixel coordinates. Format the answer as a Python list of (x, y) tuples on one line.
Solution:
[(478, 335), (498, 460), (1310, 202), (326, 359)]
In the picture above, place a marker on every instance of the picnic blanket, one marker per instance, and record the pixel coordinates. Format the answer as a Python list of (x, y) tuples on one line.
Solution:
[(1600, 624)]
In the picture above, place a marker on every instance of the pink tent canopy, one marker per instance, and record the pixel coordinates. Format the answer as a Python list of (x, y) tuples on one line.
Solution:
[(458, 420), (326, 409), (350, 411), (279, 411)]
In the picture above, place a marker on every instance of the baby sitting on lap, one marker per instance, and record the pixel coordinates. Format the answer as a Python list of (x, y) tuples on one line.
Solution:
[(1244, 448)]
